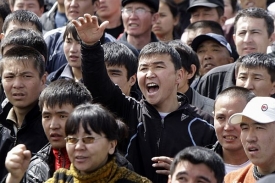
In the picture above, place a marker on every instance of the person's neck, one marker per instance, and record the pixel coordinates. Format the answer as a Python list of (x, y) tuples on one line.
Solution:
[(139, 41), (168, 106), (267, 170), (77, 73), (61, 8), (165, 38), (234, 157), (21, 113), (183, 89), (114, 20)]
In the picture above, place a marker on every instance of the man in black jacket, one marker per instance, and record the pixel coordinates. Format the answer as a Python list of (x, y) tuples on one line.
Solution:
[(162, 123)]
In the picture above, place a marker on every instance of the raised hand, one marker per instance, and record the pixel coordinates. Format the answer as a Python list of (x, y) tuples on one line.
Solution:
[(17, 162), (163, 162), (88, 29)]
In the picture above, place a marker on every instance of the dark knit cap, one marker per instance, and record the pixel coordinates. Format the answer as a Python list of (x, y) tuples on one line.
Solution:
[(154, 4)]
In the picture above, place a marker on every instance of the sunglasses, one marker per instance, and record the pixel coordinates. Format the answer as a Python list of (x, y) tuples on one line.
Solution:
[(85, 140)]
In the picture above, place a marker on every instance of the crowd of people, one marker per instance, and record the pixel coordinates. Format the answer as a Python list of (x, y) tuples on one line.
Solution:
[(163, 91)]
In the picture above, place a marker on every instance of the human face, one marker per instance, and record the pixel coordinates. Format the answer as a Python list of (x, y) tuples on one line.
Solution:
[(138, 25), (211, 54), (22, 84), (53, 121), (108, 8), (118, 74), (253, 3), (251, 36), (192, 34), (255, 79), (228, 10), (259, 144), (158, 80), (88, 158), (187, 172), (164, 26), (72, 51), (204, 13), (13, 25), (31, 5), (77, 8), (228, 135)]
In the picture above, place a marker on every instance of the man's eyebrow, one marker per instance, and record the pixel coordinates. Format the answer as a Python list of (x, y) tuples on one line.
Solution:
[(153, 63)]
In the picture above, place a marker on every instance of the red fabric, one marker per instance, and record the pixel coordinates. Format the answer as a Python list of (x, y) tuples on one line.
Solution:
[(61, 158)]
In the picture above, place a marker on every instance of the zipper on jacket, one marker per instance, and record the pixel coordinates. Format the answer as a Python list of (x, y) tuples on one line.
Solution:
[(162, 126)]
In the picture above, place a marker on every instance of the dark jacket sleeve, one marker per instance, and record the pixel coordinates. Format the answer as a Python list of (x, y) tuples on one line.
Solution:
[(103, 90)]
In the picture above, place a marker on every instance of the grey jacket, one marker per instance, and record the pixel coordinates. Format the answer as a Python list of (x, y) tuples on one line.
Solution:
[(202, 102)]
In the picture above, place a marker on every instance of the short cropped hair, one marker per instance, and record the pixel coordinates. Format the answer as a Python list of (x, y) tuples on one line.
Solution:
[(4, 9), (160, 48), (40, 2), (201, 155), (188, 57), (22, 16), (62, 92), (26, 37), (215, 27), (254, 12), (95, 117), (24, 54), (117, 54), (258, 60), (236, 91)]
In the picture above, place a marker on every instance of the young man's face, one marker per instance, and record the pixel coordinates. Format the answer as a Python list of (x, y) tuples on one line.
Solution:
[(186, 172), (118, 74), (251, 36), (258, 140), (109, 8), (228, 135), (53, 121), (255, 79), (158, 81), (72, 51), (31, 5), (212, 54), (205, 13), (137, 25), (22, 84), (76, 8)]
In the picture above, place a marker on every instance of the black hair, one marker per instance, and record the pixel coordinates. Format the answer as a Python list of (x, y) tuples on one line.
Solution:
[(117, 54), (214, 26), (254, 12), (24, 54), (40, 2), (95, 117), (4, 10), (234, 5), (26, 37), (70, 29), (172, 7), (188, 57), (201, 155), (62, 92), (258, 60), (22, 16), (160, 48), (236, 91)]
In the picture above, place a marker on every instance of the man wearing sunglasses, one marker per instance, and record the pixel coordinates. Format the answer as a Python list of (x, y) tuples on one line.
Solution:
[(138, 18)]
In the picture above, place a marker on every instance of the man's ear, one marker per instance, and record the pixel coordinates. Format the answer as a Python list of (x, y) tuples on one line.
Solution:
[(222, 20), (96, 6), (272, 39), (133, 79), (273, 89), (179, 75), (155, 17), (2, 36), (113, 144), (192, 72), (169, 179)]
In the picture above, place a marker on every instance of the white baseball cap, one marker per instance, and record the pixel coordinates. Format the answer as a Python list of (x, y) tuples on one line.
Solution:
[(259, 109)]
